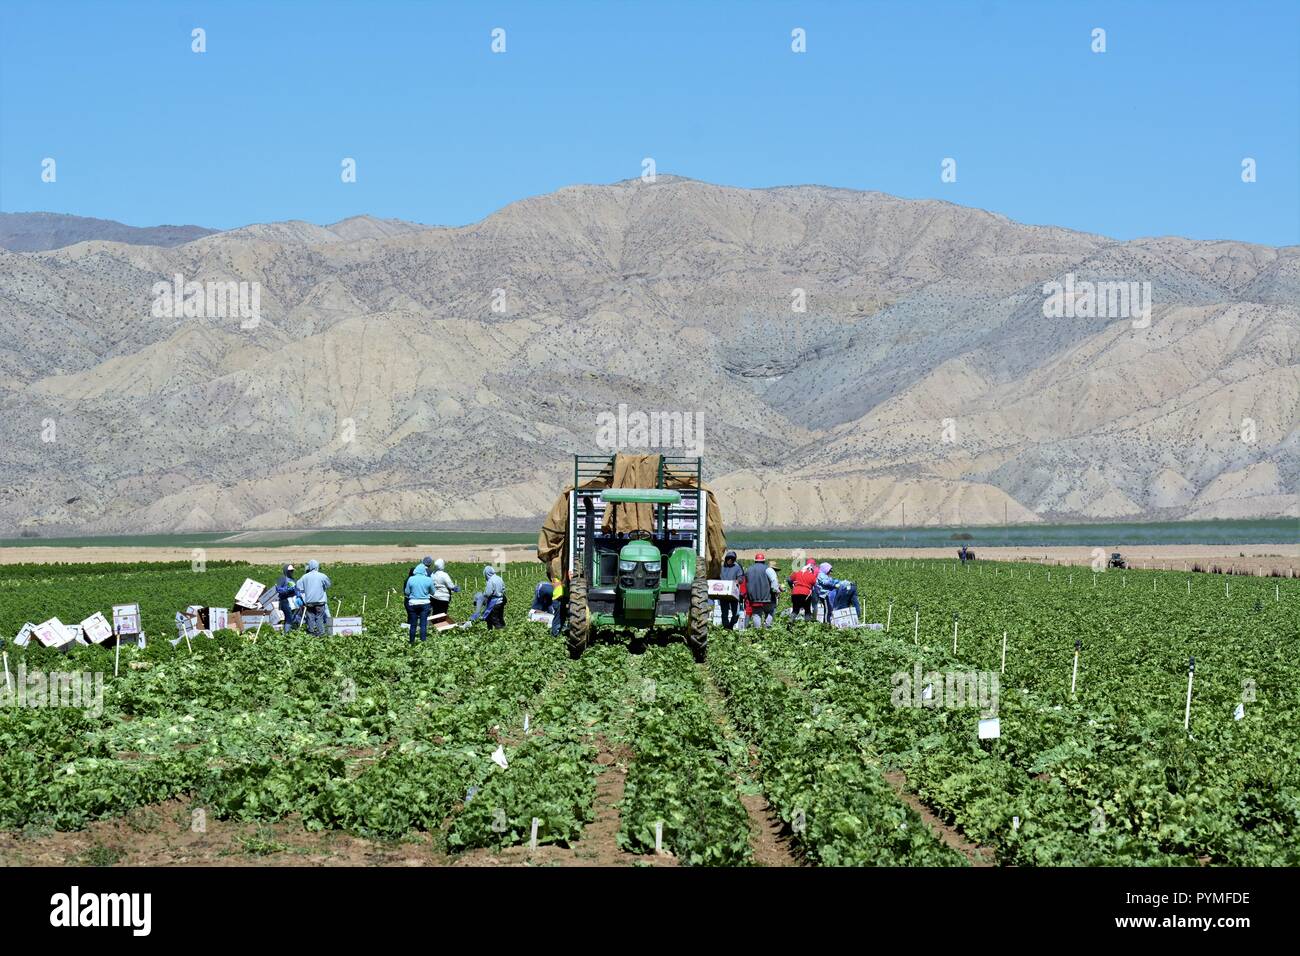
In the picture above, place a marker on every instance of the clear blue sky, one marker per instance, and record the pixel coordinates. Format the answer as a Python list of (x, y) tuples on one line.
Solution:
[(1145, 139)]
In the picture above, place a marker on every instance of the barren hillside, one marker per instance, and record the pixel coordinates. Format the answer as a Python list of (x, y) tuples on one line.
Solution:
[(403, 374)]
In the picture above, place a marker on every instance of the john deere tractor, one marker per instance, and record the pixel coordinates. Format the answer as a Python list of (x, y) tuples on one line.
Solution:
[(649, 577)]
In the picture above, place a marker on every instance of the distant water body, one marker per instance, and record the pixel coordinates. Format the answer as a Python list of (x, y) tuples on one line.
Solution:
[(1280, 531)]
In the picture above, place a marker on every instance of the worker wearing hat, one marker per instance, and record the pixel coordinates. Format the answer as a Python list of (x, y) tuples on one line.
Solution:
[(286, 589)]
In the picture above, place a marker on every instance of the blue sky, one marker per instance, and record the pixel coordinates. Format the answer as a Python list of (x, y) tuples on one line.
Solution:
[(1144, 139)]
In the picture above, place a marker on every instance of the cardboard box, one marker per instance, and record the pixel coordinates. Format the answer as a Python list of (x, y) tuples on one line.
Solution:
[(541, 617), (97, 628), (218, 618), (346, 625), (442, 622), (719, 588), (126, 618), (844, 617), (250, 594), (53, 633), (24, 635)]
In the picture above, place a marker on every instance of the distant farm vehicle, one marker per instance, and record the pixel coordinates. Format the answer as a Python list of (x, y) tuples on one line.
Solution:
[(1117, 561), (636, 558), (965, 554)]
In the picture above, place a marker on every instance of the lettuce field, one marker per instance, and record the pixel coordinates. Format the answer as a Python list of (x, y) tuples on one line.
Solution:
[(933, 742)]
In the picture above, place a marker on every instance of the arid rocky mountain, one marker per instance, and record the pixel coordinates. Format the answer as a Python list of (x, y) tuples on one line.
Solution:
[(401, 375), (41, 231)]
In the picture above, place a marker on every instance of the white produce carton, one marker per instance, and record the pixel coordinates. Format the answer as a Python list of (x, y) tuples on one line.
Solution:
[(53, 633), (126, 618), (719, 588), (96, 628), (250, 594)]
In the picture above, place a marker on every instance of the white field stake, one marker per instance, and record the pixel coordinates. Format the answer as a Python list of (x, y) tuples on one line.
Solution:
[(525, 723), (1004, 652), (1153, 585), (1189, 585), (1094, 578), (117, 655), (889, 616), (363, 605), (916, 629), (1277, 592), (532, 841), (388, 597), (188, 644), (1187, 713), (338, 607), (659, 836), (1225, 587), (9, 684), (1075, 676), (954, 635), (1071, 581)]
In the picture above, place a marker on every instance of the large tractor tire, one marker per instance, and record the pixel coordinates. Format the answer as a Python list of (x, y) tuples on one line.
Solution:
[(578, 634), (697, 629)]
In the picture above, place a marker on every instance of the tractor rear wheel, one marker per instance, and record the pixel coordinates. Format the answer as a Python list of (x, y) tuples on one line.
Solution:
[(579, 624), (697, 628)]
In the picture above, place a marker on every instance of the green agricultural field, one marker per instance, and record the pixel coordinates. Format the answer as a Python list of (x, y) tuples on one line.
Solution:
[(826, 737)]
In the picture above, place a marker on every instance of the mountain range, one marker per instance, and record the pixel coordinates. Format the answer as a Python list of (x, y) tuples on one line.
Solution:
[(850, 358)]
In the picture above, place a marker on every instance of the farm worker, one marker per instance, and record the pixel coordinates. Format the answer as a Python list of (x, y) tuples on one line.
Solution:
[(419, 593), (802, 584), (758, 591), (773, 579), (836, 594), (544, 596), (443, 588), (559, 607), (314, 586), (731, 571), (428, 564), (494, 600), (287, 590)]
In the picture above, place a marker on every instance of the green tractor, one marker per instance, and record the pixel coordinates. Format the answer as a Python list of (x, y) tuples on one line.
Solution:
[(652, 579)]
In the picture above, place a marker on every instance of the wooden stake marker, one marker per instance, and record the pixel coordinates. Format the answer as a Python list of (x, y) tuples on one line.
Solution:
[(9, 684), (1074, 677), (889, 616), (1187, 712), (1004, 652)]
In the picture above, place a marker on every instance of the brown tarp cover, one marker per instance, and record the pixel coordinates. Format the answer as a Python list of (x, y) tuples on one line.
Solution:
[(628, 471)]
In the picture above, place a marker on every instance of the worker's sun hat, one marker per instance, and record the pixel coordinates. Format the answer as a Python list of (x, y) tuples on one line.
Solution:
[(759, 556)]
